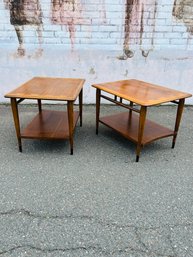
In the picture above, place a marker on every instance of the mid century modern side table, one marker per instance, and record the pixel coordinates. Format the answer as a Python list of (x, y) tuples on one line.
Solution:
[(48, 124), (137, 128)]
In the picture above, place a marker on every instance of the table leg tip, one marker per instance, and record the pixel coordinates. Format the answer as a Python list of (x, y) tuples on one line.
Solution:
[(137, 158)]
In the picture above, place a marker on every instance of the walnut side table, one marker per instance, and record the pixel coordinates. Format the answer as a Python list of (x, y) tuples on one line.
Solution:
[(49, 124), (136, 127)]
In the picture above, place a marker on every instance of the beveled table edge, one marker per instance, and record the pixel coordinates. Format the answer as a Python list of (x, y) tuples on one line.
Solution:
[(101, 86), (9, 94)]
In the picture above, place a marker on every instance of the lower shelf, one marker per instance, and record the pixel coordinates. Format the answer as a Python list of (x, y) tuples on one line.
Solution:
[(49, 125), (129, 129)]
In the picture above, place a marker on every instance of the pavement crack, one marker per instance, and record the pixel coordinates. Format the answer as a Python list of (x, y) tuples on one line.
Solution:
[(96, 249), (146, 248), (107, 223), (10, 250), (50, 250), (41, 216), (137, 233), (143, 247)]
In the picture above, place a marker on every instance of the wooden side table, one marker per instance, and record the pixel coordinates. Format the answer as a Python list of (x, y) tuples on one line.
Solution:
[(136, 127), (49, 124)]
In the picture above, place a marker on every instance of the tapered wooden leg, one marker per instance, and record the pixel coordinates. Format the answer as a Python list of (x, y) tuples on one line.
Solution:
[(178, 119), (39, 105), (130, 112), (98, 94), (142, 118), (70, 124), (16, 121), (80, 106)]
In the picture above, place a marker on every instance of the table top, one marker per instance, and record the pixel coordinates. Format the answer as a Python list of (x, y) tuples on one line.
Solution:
[(141, 92), (45, 88)]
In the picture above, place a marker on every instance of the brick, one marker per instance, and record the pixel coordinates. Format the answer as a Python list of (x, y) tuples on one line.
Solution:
[(102, 22)]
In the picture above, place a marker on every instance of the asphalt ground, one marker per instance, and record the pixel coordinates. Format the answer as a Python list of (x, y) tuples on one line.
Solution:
[(98, 202)]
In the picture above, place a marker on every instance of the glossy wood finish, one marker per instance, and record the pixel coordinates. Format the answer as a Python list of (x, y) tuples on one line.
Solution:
[(152, 131), (16, 121), (140, 92), (60, 89), (137, 128), (98, 92), (70, 122), (49, 124), (141, 127), (178, 119), (80, 106)]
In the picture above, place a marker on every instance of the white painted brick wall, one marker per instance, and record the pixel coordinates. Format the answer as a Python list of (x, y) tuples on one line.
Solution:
[(100, 34), (101, 18)]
